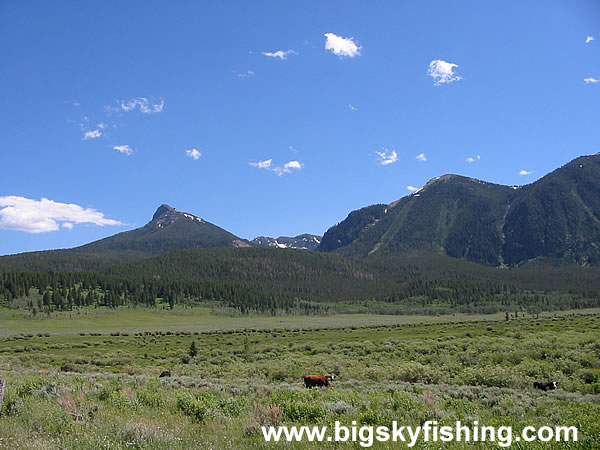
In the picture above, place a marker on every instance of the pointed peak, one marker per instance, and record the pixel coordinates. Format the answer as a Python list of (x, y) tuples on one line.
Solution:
[(162, 209)]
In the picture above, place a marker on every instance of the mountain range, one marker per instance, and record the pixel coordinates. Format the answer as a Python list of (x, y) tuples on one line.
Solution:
[(557, 216), (301, 242)]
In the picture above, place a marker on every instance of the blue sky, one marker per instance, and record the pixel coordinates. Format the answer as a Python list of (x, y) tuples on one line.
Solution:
[(278, 118)]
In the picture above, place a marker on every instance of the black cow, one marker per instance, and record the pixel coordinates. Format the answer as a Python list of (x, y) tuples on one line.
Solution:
[(545, 385), (165, 373)]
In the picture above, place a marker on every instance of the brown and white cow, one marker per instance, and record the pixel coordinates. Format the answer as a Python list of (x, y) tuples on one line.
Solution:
[(318, 380)]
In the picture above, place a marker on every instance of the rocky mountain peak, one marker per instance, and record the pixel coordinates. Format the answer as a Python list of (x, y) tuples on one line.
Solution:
[(162, 210)]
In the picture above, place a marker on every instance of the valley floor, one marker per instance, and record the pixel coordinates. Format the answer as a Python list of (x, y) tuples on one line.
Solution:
[(203, 319), (99, 387)]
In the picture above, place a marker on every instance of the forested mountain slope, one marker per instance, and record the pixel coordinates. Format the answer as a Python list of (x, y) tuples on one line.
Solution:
[(557, 216)]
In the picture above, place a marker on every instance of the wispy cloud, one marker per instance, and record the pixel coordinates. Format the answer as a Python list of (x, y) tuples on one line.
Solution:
[(193, 153), (352, 107), (40, 216), (246, 74), (92, 134), (589, 39), (412, 188), (442, 72), (472, 160), (341, 46), (421, 157), (279, 170), (387, 157), (525, 172), (279, 54), (143, 104), (125, 149), (591, 80)]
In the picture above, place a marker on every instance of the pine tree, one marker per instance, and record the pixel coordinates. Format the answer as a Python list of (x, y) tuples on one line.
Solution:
[(193, 350)]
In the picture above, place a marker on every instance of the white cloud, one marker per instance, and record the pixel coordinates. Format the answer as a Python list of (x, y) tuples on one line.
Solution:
[(352, 107), (341, 46), (279, 54), (93, 134), (287, 166), (262, 164), (525, 172), (591, 80), (589, 39), (76, 103), (422, 157), (145, 106), (412, 188), (125, 149), (442, 72), (293, 165), (279, 170), (387, 157), (40, 216), (193, 153), (472, 160)]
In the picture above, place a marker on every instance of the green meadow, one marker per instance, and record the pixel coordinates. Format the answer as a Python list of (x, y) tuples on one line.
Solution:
[(90, 380), (203, 319)]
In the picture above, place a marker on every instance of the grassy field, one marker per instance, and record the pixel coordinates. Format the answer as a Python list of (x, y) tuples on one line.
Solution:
[(66, 390), (202, 319)]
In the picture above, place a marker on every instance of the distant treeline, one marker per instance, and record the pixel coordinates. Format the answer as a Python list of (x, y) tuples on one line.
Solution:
[(277, 281), (65, 291)]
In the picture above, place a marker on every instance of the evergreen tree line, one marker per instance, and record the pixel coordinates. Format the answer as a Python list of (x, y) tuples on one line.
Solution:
[(67, 290), (466, 296), (411, 290)]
